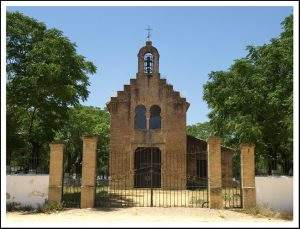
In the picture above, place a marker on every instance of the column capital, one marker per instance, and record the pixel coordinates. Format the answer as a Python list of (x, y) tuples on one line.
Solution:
[(247, 145), (90, 137), (214, 139), (57, 142), (244, 146)]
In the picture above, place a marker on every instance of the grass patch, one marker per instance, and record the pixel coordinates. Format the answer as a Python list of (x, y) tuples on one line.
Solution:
[(264, 211), (71, 199), (50, 208), (15, 206), (45, 208), (198, 202)]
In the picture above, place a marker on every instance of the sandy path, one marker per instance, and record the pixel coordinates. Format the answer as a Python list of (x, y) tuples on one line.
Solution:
[(141, 216)]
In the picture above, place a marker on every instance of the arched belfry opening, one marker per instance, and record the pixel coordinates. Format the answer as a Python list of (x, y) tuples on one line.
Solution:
[(148, 63)]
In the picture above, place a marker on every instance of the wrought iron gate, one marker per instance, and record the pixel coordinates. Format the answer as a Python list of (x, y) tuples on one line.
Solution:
[(232, 191), (71, 190), (146, 186)]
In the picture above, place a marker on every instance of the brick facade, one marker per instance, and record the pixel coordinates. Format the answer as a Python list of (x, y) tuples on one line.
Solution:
[(171, 139), (148, 90)]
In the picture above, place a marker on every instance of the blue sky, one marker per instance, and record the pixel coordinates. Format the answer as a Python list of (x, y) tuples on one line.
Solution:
[(192, 42)]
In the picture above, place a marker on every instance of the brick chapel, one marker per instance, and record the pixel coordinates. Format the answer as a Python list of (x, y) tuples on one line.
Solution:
[(149, 145)]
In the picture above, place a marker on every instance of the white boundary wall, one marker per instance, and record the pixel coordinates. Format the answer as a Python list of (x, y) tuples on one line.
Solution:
[(27, 189), (275, 192)]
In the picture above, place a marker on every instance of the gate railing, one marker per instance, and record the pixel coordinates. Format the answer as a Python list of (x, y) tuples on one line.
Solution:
[(176, 189), (109, 193), (71, 190), (232, 195)]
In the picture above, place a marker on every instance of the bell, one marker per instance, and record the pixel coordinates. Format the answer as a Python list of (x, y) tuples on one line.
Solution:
[(148, 62)]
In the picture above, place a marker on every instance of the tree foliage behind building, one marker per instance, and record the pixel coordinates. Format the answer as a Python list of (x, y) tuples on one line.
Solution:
[(253, 101)]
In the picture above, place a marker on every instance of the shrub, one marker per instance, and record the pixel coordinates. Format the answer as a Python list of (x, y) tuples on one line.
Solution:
[(265, 211), (45, 208), (15, 206), (48, 207)]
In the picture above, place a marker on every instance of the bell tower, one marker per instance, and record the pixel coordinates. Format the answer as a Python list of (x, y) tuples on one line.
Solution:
[(148, 58)]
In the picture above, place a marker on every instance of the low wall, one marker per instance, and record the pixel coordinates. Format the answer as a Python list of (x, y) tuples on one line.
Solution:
[(275, 192), (27, 189)]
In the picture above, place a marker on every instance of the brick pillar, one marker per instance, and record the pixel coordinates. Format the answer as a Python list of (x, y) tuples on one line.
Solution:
[(88, 171), (214, 172), (56, 172), (248, 175)]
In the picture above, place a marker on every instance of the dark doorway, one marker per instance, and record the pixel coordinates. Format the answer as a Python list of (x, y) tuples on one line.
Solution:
[(147, 171)]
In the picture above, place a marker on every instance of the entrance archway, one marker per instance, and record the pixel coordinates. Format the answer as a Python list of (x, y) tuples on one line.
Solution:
[(147, 167)]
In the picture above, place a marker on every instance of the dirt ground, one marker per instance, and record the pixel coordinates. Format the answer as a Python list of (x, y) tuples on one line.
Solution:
[(139, 216)]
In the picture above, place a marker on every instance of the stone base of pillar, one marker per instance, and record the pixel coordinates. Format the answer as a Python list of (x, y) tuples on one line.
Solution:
[(249, 197), (215, 198), (55, 194), (87, 199)]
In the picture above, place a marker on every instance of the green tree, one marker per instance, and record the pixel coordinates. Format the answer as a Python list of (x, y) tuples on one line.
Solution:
[(85, 120), (200, 130), (253, 100), (45, 76)]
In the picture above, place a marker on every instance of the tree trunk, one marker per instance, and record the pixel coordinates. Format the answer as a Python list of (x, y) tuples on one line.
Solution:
[(34, 155), (8, 157), (287, 165), (269, 166)]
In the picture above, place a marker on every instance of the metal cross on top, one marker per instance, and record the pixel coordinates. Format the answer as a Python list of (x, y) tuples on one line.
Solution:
[(148, 34)]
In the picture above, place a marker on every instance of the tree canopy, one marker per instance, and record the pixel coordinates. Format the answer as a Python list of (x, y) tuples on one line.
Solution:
[(200, 130), (253, 100), (45, 77), (85, 120)]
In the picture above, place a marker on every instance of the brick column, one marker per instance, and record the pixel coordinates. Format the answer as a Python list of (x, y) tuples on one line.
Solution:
[(88, 171), (248, 175), (56, 172), (214, 172)]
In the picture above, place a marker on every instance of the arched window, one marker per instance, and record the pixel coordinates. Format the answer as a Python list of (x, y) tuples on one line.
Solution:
[(148, 63), (140, 117), (155, 120)]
